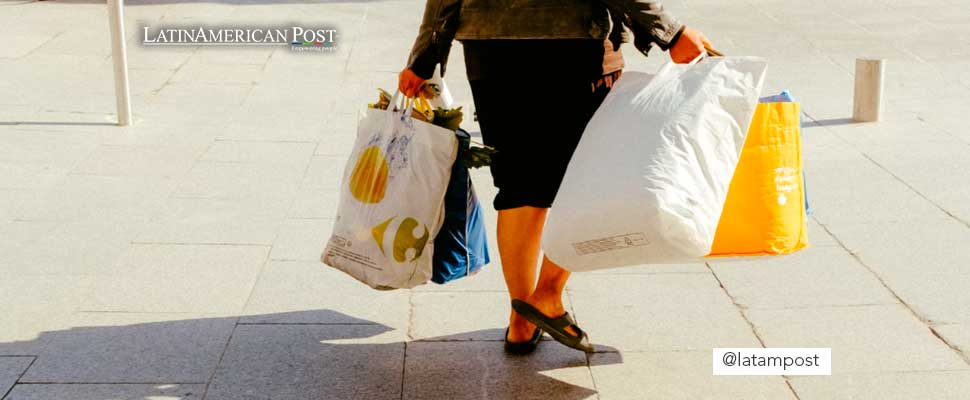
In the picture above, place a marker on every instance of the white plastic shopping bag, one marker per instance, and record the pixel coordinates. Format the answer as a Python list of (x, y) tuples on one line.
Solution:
[(392, 199), (443, 98), (649, 177)]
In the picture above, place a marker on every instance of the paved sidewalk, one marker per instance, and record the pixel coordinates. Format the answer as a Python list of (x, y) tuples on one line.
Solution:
[(176, 259)]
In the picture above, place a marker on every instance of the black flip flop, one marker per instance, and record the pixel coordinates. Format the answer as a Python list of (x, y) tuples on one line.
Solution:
[(555, 327), (523, 348)]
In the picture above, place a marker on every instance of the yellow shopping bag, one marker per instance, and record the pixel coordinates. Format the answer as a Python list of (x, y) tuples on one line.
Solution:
[(765, 209)]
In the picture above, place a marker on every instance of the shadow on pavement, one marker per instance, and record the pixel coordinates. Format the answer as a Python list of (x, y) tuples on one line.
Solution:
[(831, 122), (142, 356)]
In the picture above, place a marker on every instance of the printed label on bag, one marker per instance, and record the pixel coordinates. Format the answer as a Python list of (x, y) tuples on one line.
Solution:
[(786, 180), (340, 247), (611, 243)]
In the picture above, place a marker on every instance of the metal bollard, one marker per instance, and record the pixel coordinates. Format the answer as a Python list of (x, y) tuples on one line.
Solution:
[(867, 103), (119, 56)]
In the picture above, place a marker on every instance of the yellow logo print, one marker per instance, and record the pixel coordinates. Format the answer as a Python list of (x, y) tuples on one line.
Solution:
[(404, 238), (369, 179)]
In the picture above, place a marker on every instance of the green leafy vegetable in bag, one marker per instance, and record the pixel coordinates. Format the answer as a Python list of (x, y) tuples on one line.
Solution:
[(477, 157), (448, 119)]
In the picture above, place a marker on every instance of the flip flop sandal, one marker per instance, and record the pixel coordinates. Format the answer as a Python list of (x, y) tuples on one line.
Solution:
[(555, 327), (523, 348)]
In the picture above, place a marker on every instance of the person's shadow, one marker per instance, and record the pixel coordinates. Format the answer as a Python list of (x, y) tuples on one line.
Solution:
[(264, 357)]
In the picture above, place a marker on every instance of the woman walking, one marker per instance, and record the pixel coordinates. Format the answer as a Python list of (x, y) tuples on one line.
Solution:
[(538, 69)]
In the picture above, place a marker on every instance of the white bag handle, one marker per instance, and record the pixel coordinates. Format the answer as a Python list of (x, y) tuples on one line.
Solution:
[(396, 104), (443, 99), (671, 70), (697, 59)]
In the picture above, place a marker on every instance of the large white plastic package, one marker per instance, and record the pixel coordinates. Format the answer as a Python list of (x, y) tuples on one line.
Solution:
[(649, 177)]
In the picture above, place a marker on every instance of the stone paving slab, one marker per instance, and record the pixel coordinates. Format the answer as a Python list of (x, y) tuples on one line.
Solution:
[(302, 239), (827, 276), (324, 172), (858, 337), (210, 279), (317, 361), (476, 370), (488, 279), (35, 305), (218, 97), (132, 348), (852, 188), (99, 198), (957, 335), (313, 293), (944, 385), (259, 152), (649, 312), (314, 204), (38, 147), (907, 161), (169, 391), (662, 375), (231, 180), (151, 134), (11, 368), (818, 236), (930, 276), (821, 147), (232, 74), (938, 298), (12, 199), (69, 248), (216, 221), (146, 161), (335, 141), (470, 315), (890, 246), (898, 138)]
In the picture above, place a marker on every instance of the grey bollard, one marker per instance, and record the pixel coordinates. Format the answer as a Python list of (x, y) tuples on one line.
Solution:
[(867, 102)]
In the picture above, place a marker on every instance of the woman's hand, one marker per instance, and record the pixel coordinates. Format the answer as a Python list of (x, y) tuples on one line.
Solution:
[(409, 83), (688, 46)]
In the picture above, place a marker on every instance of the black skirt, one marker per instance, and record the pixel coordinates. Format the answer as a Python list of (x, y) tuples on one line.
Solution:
[(532, 112)]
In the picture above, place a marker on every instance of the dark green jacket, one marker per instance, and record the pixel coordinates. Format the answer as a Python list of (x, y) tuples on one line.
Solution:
[(447, 20)]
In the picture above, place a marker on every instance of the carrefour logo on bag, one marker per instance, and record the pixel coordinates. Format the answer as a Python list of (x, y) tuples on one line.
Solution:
[(406, 246)]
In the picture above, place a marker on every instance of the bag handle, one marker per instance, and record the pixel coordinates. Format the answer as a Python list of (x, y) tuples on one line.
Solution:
[(401, 102), (664, 74), (708, 52), (712, 51)]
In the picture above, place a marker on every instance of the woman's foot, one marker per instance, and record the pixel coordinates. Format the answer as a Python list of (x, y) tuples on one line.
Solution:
[(520, 330), (553, 319), (549, 305), (523, 348)]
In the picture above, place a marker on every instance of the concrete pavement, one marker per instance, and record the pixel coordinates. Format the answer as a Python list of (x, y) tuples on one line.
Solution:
[(177, 258)]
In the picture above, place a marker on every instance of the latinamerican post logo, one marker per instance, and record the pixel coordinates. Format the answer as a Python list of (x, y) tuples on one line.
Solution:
[(299, 38)]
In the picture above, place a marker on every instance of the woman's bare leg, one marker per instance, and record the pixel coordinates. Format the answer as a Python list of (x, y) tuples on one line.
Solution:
[(519, 244), (547, 296), (519, 236)]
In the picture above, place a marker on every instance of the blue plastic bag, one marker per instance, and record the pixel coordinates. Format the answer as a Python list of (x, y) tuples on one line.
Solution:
[(786, 97), (461, 247)]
